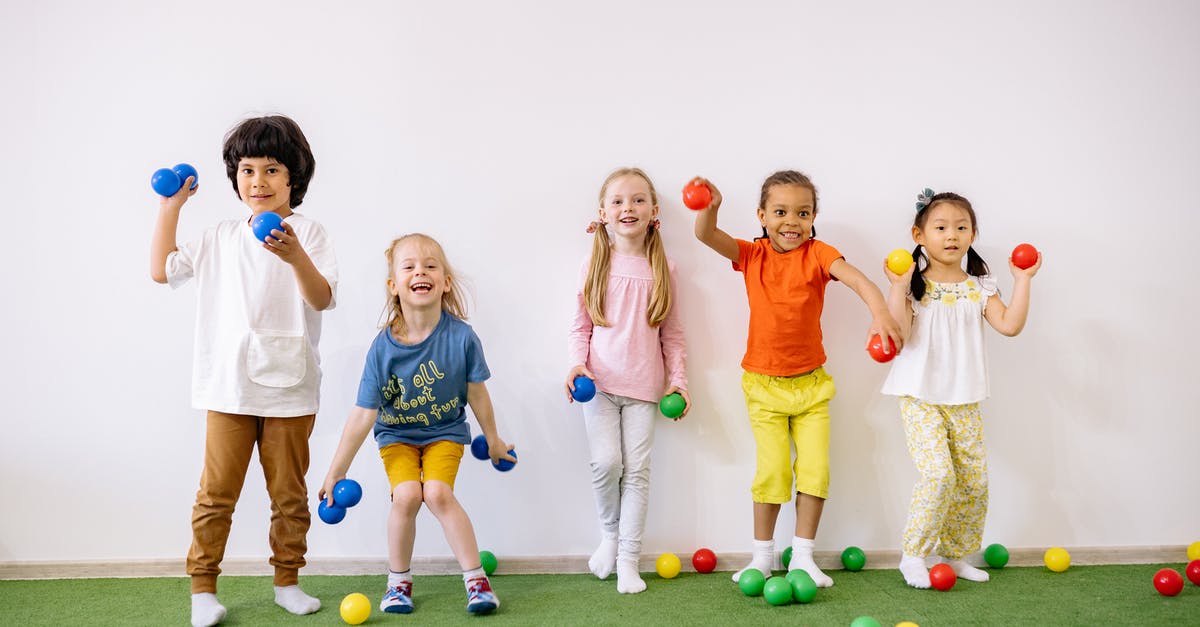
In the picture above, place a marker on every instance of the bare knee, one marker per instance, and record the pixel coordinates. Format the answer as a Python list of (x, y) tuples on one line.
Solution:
[(407, 497), (439, 496)]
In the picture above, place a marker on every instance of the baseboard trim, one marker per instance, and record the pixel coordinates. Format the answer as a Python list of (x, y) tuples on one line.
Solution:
[(539, 564)]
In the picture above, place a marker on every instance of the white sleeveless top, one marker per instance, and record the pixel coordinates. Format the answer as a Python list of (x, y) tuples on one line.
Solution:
[(944, 361)]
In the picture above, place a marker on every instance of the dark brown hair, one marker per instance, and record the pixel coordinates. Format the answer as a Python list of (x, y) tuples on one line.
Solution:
[(275, 137)]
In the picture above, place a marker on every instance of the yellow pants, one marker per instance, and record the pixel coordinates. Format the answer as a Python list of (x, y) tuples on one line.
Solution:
[(949, 502), (786, 412)]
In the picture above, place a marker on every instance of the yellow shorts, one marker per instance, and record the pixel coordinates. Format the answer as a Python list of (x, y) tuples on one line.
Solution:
[(786, 412), (434, 461)]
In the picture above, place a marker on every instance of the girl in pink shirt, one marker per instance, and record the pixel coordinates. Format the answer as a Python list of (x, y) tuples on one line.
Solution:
[(627, 338)]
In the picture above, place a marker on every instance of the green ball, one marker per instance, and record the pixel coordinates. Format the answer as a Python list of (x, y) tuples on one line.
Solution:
[(853, 558), (488, 559), (995, 555), (751, 582), (672, 405), (786, 558), (777, 591), (804, 589), (864, 621)]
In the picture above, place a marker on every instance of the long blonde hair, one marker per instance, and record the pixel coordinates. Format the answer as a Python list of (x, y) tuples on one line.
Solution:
[(595, 287), (454, 300)]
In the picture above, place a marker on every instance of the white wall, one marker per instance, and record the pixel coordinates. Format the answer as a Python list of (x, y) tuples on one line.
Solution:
[(490, 126)]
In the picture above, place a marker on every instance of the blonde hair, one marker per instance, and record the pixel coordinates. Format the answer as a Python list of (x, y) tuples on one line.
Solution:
[(595, 287), (454, 300)]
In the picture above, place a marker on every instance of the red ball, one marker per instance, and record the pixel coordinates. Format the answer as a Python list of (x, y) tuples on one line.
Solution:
[(704, 561), (1168, 582), (1193, 572), (875, 348), (1024, 256), (942, 577), (696, 196)]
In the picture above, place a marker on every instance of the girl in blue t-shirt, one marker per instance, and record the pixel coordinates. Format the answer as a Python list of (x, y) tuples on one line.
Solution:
[(422, 370)]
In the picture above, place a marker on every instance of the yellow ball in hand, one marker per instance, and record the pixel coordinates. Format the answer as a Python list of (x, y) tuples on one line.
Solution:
[(667, 565), (356, 608), (1057, 559), (899, 261)]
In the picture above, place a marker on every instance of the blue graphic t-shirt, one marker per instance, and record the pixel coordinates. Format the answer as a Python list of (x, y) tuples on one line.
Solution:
[(421, 390)]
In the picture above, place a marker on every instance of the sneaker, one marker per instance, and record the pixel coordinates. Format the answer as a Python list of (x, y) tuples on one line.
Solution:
[(398, 599), (480, 598)]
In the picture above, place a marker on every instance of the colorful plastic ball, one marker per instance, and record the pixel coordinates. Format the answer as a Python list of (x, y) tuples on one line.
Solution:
[(264, 223), (696, 196), (347, 493), (1168, 582), (479, 447), (504, 465), (1024, 256), (875, 348), (356, 608), (184, 170), (853, 558), (804, 589), (942, 577), (672, 405), (1057, 559), (899, 261), (1193, 551), (585, 389), (786, 557), (1193, 572), (667, 565), (751, 582), (907, 623), (331, 514), (777, 591), (864, 621), (995, 555), (488, 560), (165, 182), (704, 560)]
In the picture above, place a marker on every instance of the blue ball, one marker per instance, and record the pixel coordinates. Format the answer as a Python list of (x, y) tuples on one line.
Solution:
[(585, 389), (331, 514), (479, 447), (504, 465), (347, 493), (165, 182), (184, 170), (263, 223)]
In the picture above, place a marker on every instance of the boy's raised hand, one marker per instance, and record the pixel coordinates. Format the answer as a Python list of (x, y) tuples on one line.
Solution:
[(176, 200)]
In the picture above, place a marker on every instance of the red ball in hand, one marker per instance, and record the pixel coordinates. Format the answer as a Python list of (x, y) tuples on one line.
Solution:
[(875, 348), (704, 561), (1168, 582), (942, 577), (1024, 256), (697, 196)]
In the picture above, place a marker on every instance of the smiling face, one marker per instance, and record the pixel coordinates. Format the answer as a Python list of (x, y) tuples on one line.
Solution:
[(788, 215), (628, 206), (946, 234), (419, 276), (264, 185)]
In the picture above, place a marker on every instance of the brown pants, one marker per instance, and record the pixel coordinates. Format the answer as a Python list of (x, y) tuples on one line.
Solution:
[(283, 452)]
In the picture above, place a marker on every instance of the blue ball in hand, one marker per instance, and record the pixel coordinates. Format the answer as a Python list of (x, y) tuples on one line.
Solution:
[(347, 493), (263, 223), (479, 447), (184, 170), (504, 465), (331, 514), (165, 182), (585, 389)]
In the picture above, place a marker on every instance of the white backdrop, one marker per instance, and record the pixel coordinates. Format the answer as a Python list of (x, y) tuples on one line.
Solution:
[(491, 126)]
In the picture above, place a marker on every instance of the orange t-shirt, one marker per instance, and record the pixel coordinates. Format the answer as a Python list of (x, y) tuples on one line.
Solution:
[(786, 293)]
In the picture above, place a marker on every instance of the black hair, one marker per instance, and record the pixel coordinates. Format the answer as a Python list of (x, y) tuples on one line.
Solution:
[(788, 177), (976, 266), (276, 137)]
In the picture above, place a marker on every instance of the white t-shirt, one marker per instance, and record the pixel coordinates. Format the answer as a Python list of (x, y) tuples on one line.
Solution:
[(944, 360), (256, 338)]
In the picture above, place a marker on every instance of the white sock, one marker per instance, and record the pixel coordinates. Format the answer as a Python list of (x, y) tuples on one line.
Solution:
[(474, 573), (604, 559), (802, 559), (293, 599), (762, 558), (395, 578), (206, 610), (967, 571), (629, 580), (914, 571)]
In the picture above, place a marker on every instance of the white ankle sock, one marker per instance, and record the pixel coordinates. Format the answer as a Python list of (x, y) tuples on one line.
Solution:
[(762, 558), (914, 571), (293, 599), (802, 549), (395, 578), (206, 610), (967, 571), (605, 557), (629, 580)]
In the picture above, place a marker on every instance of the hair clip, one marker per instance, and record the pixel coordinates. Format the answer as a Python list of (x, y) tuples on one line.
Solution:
[(656, 224), (923, 198), (598, 224)]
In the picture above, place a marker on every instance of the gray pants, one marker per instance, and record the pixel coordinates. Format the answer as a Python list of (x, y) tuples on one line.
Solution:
[(620, 435)]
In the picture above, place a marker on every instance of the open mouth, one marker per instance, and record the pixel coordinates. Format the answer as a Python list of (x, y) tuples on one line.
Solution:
[(791, 235), (629, 220), (421, 287)]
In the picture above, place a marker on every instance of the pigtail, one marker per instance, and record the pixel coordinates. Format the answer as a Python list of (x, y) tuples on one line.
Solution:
[(595, 287), (916, 284), (976, 266), (660, 297)]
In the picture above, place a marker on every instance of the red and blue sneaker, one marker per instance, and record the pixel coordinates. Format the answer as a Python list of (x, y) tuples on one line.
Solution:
[(480, 598), (398, 599)]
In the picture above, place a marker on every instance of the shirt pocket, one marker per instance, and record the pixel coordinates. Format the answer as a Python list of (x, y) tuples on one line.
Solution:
[(276, 359)]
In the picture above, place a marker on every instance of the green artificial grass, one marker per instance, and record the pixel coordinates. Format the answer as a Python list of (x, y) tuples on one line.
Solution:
[(1083, 595)]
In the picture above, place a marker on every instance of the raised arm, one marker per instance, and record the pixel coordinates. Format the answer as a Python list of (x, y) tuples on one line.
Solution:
[(162, 242), (897, 298), (1011, 319), (882, 322), (314, 289), (706, 224)]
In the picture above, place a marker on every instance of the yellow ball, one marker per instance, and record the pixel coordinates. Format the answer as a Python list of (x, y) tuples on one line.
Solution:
[(907, 623), (1194, 551), (1057, 559), (667, 565), (356, 608), (899, 261)]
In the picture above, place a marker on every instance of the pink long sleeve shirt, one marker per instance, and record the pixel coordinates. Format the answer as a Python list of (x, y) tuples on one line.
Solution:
[(630, 358)]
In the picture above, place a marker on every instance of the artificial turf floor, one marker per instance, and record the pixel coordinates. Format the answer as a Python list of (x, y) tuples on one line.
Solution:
[(1083, 595)]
